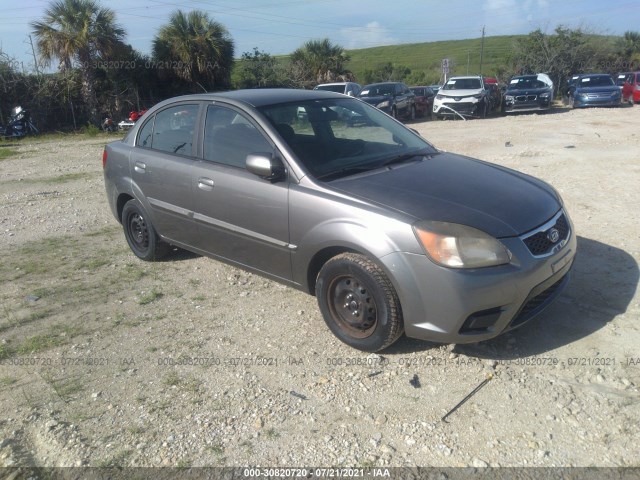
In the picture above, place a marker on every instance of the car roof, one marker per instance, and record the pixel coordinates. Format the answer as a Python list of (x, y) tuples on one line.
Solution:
[(381, 83), (464, 76), (259, 97)]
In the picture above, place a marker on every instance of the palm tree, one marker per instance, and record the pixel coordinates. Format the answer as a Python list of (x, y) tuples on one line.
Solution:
[(323, 60), (196, 48), (78, 32)]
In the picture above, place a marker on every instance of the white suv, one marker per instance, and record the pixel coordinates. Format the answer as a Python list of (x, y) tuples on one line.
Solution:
[(347, 88), (462, 97)]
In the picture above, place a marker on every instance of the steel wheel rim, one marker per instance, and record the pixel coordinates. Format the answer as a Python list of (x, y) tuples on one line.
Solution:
[(138, 231), (352, 306)]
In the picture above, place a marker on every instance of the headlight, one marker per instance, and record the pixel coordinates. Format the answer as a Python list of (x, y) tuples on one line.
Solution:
[(384, 104), (509, 98), (545, 95), (615, 94), (439, 97), (459, 246)]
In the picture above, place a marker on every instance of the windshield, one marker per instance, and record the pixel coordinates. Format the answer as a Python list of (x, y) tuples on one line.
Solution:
[(341, 136), (377, 90), (596, 81), (463, 84), (526, 82)]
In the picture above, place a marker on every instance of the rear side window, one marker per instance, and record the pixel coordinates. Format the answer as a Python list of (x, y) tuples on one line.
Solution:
[(170, 130)]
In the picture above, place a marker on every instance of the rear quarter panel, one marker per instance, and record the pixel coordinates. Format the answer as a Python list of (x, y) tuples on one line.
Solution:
[(117, 174)]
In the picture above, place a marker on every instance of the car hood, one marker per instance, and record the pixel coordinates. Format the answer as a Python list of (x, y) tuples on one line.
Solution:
[(375, 99), (605, 89), (527, 91), (457, 189), (459, 93)]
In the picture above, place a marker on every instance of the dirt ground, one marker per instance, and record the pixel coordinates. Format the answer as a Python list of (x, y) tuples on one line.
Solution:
[(110, 361)]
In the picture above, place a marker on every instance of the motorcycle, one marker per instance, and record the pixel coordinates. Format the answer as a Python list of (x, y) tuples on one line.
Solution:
[(131, 121), (20, 124)]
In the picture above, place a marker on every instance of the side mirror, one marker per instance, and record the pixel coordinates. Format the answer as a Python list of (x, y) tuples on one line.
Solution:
[(265, 165)]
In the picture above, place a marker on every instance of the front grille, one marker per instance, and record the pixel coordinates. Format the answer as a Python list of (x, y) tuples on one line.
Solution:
[(539, 243), (526, 98), (599, 95), (461, 107), (536, 304)]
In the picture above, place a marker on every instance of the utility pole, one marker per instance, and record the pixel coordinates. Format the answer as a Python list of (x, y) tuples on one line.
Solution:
[(481, 49), (468, 53), (35, 59)]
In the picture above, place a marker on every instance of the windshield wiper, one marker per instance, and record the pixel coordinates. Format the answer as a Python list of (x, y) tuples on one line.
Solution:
[(407, 156), (343, 172)]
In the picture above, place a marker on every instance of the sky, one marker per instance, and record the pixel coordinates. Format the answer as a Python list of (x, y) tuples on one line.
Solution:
[(280, 26)]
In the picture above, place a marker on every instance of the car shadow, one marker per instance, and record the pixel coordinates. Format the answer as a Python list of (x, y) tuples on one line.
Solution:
[(177, 254), (603, 284)]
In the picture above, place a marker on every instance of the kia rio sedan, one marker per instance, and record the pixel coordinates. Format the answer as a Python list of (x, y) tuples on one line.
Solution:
[(389, 233)]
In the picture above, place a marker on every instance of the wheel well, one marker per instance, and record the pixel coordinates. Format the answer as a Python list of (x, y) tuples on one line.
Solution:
[(318, 260), (122, 200)]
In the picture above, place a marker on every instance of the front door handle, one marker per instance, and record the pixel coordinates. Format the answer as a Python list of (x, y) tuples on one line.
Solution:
[(205, 183), (140, 167)]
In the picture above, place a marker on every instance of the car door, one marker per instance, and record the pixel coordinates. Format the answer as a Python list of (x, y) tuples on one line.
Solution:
[(240, 216), (161, 166)]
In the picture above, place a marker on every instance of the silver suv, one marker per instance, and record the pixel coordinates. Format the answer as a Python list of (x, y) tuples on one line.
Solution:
[(462, 97), (390, 234)]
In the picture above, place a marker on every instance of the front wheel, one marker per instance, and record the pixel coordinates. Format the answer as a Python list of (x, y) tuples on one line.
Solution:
[(412, 113), (140, 233), (359, 303)]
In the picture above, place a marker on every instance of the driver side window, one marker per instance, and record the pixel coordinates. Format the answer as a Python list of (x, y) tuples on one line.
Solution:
[(229, 137)]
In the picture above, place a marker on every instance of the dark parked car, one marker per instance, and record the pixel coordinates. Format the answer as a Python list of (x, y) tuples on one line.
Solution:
[(527, 93), (594, 90), (424, 100), (393, 98), (390, 233)]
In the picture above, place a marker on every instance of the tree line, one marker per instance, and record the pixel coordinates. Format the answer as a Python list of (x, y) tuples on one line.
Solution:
[(99, 74)]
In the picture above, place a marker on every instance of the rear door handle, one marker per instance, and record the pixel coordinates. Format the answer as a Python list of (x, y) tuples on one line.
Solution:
[(140, 167), (205, 183)]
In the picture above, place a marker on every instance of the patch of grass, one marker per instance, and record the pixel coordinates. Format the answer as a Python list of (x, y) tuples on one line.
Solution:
[(172, 380), (149, 297), (64, 387), (7, 381), (39, 343), (6, 153), (91, 130), (5, 351), (272, 434), (199, 298), (216, 449), (96, 262)]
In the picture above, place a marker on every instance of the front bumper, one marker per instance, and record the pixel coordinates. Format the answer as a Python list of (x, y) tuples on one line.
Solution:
[(582, 102), (452, 108), (465, 306), (522, 103)]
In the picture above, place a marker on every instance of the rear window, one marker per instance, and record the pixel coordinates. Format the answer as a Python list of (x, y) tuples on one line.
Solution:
[(331, 88)]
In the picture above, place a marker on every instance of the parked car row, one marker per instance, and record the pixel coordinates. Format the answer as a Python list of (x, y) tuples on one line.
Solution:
[(475, 96)]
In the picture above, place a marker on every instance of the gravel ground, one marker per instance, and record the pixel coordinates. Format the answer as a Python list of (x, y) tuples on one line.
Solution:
[(109, 361)]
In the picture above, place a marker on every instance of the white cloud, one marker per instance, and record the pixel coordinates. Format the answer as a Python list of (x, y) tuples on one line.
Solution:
[(371, 35)]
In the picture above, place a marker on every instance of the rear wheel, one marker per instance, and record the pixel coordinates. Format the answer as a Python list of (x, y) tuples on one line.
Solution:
[(359, 303), (140, 233), (412, 113)]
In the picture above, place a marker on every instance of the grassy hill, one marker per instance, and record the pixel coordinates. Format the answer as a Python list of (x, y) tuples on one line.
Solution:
[(424, 59)]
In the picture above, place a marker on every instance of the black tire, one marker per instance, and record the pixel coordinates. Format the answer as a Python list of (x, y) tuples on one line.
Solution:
[(394, 112), (140, 233), (631, 100), (359, 303), (412, 113), (483, 110)]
